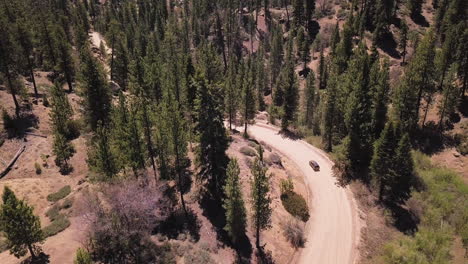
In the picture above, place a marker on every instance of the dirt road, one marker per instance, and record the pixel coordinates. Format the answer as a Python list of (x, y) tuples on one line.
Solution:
[(333, 229)]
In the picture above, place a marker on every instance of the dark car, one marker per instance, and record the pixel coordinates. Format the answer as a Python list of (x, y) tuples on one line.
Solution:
[(314, 165)]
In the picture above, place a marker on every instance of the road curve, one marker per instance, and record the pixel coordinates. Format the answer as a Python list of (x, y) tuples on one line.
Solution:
[(333, 229)]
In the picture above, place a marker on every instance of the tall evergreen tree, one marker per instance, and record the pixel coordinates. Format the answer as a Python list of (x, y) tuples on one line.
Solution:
[(248, 96), (95, 89), (234, 203), (291, 97), (25, 39), (298, 13), (61, 114), (404, 170), (322, 71), (21, 227), (211, 152), (101, 159), (380, 88), (310, 100), (261, 201), (403, 40), (417, 82), (65, 62)]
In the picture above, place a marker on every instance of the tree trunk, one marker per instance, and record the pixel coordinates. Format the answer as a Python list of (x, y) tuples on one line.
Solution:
[(427, 110), (149, 140), (258, 236), (33, 79), (13, 92), (112, 59), (69, 82), (33, 255)]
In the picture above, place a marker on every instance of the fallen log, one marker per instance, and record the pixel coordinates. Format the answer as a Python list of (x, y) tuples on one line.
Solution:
[(37, 135), (12, 162)]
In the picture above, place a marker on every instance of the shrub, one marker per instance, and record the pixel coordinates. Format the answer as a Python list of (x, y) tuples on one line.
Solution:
[(58, 225), (198, 257), (37, 166), (62, 193), (74, 128), (248, 151), (3, 244), (293, 230), (296, 205), (286, 186), (45, 101), (82, 257), (53, 212), (273, 158)]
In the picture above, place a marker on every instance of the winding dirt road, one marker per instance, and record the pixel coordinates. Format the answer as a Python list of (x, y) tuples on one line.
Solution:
[(333, 229)]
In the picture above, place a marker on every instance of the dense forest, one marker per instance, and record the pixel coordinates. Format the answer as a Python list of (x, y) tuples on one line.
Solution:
[(171, 80)]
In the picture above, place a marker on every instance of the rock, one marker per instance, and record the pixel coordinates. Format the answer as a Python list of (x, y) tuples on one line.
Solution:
[(115, 88), (456, 154), (274, 158)]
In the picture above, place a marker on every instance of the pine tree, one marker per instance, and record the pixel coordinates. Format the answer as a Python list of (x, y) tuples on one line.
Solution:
[(101, 159), (414, 7), (403, 40), (276, 54), (261, 200), (322, 71), (358, 114), (335, 39), (61, 114), (310, 100), (21, 227), (82, 257), (63, 150), (329, 114), (234, 203), (298, 13), (248, 96), (8, 61), (308, 12), (121, 64), (231, 94), (95, 89), (382, 167), (417, 82), (211, 152), (261, 79), (380, 87), (404, 170), (65, 62), (25, 39), (291, 98), (450, 99)]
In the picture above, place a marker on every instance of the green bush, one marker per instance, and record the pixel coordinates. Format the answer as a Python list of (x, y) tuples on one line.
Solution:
[(58, 225), (296, 205), (293, 230), (53, 212), (248, 151), (62, 193), (38, 168), (82, 257)]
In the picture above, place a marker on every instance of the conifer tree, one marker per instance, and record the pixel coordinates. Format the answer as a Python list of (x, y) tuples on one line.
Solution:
[(308, 12), (248, 96), (298, 12), (21, 227), (335, 39), (121, 64), (322, 71), (380, 88), (61, 114), (261, 79), (291, 97), (65, 62), (231, 95), (450, 99), (95, 89), (358, 114), (211, 152), (261, 201), (414, 7), (101, 159), (381, 167), (403, 40), (404, 170), (8, 61), (25, 39), (234, 203), (329, 114), (276, 54), (310, 100), (417, 82)]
